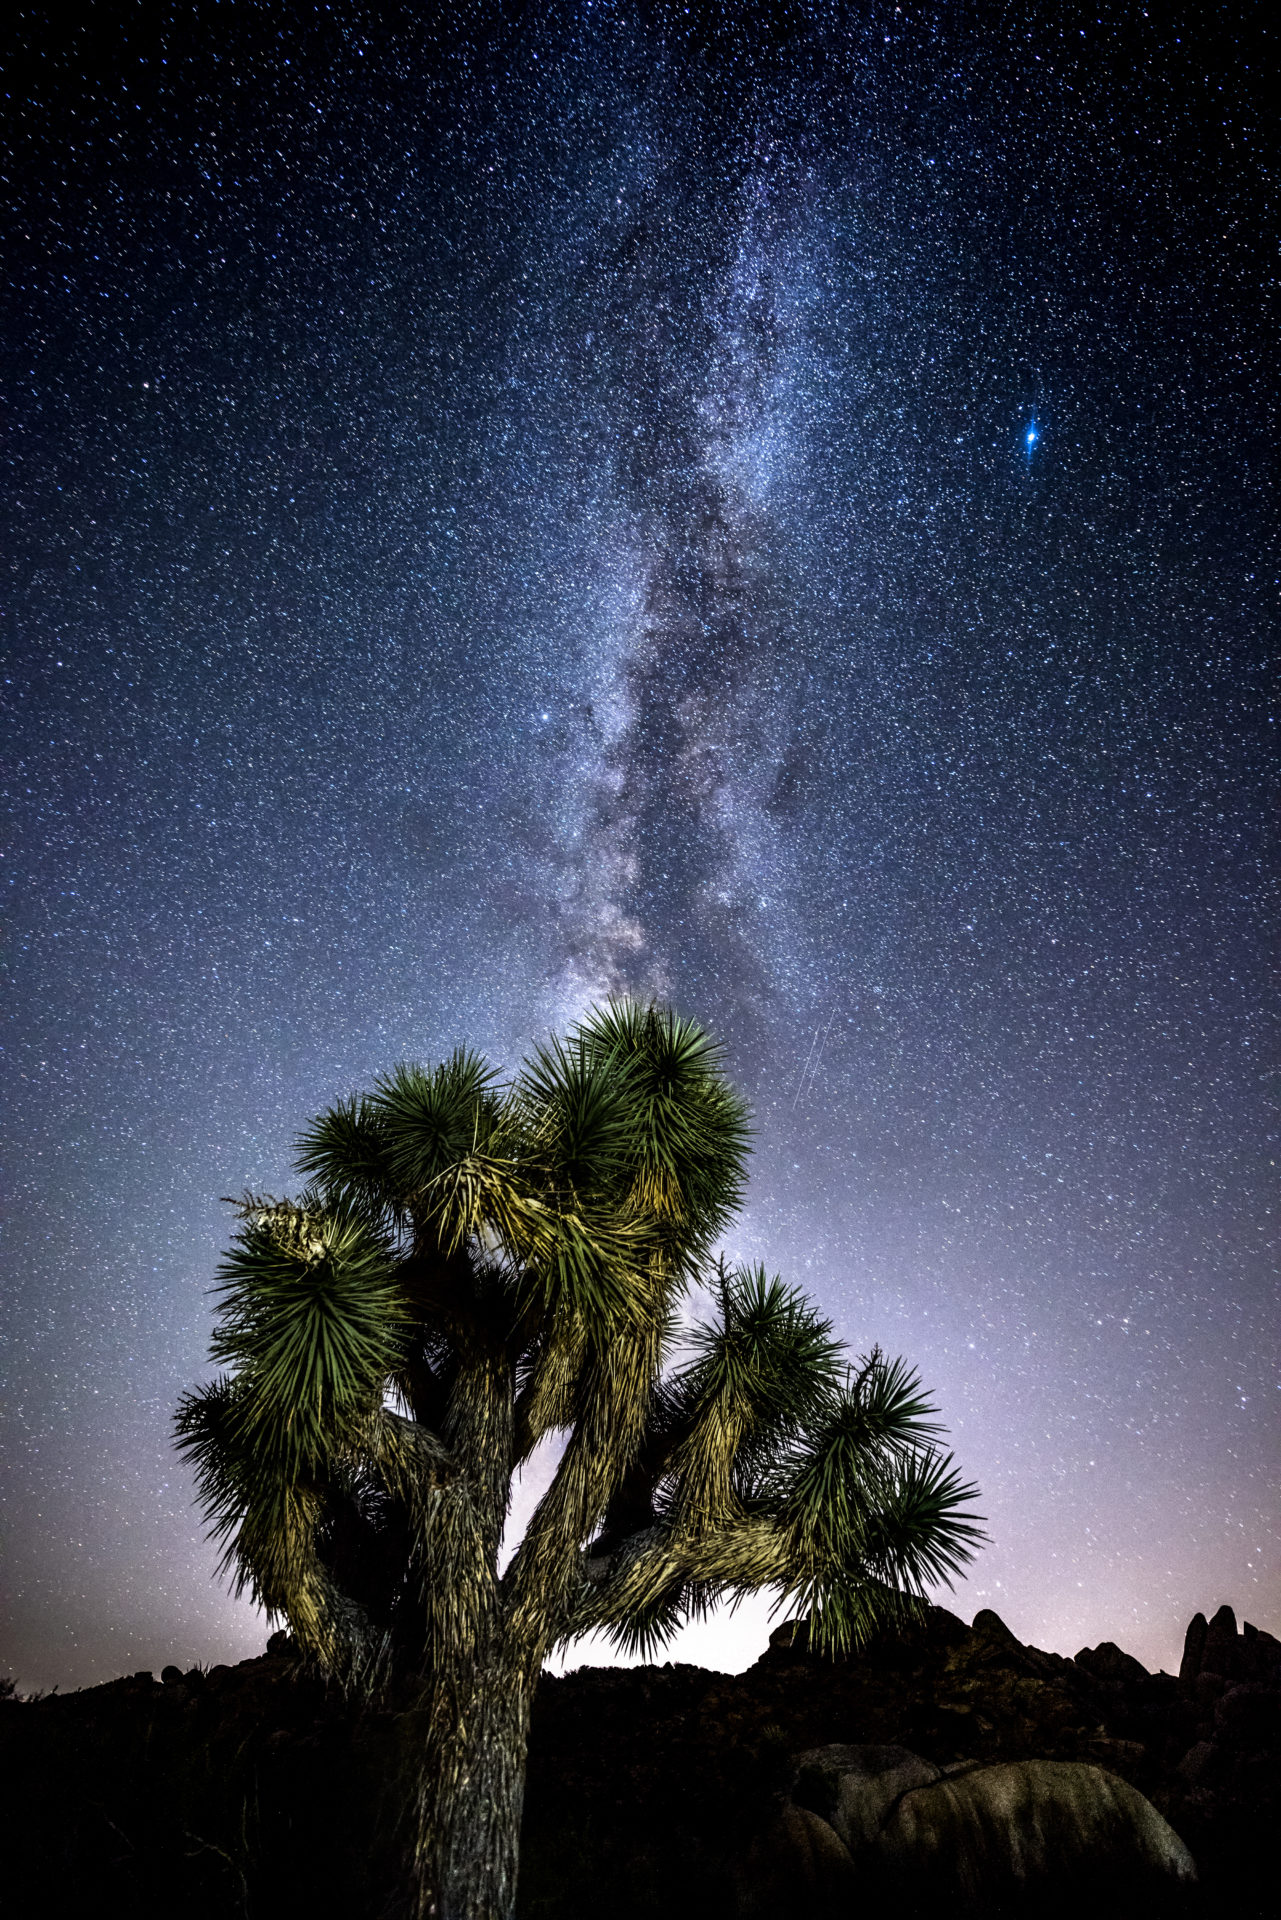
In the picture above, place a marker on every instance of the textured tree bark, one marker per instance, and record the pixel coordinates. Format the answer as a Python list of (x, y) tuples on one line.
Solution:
[(470, 1805)]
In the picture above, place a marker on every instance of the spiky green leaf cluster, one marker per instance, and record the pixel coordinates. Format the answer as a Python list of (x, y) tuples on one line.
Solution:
[(872, 1511), (477, 1264), (311, 1321), (756, 1374), (771, 1465), (690, 1133)]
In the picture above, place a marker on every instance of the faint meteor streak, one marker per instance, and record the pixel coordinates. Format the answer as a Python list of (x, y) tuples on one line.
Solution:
[(810, 1071)]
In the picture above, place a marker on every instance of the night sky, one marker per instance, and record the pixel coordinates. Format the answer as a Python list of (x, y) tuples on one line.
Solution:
[(767, 509)]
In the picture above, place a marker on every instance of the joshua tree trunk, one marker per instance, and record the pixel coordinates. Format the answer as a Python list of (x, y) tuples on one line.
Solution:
[(471, 1800)]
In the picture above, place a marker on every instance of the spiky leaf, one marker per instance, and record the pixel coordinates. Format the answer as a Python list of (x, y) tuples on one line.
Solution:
[(312, 1320), (433, 1120), (346, 1151)]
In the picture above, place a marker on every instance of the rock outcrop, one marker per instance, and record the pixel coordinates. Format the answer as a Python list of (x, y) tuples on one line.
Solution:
[(1031, 1837), (255, 1789), (1047, 1834), (857, 1789)]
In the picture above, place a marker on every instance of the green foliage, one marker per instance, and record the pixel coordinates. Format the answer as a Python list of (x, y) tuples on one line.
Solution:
[(873, 1513), (346, 1152), (580, 1121), (206, 1432), (312, 1321), (477, 1264), (759, 1373), (434, 1121), (690, 1129)]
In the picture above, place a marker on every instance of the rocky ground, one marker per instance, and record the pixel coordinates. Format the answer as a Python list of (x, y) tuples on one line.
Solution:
[(253, 1790)]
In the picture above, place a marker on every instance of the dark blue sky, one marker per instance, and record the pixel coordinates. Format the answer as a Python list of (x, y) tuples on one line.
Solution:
[(772, 514)]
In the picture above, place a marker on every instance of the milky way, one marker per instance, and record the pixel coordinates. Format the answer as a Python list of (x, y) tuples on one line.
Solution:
[(771, 514), (679, 782)]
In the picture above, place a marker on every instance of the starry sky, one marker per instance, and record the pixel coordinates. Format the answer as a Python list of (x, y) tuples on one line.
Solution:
[(765, 507)]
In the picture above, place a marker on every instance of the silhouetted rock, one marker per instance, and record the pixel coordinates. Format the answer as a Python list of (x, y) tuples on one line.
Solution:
[(1107, 1662), (1193, 1648), (256, 1788), (1218, 1654)]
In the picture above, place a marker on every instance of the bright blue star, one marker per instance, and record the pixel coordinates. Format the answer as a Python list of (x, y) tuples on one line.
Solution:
[(1031, 436)]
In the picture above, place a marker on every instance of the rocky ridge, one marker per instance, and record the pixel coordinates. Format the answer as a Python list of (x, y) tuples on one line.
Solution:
[(254, 1789)]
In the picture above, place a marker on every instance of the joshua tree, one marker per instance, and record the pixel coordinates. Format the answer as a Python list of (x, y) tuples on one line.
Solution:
[(476, 1267)]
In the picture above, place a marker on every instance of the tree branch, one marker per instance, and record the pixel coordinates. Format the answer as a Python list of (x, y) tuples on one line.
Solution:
[(750, 1552), (408, 1450), (614, 1397)]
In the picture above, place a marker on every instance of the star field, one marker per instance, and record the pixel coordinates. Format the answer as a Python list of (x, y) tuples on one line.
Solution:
[(770, 512)]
